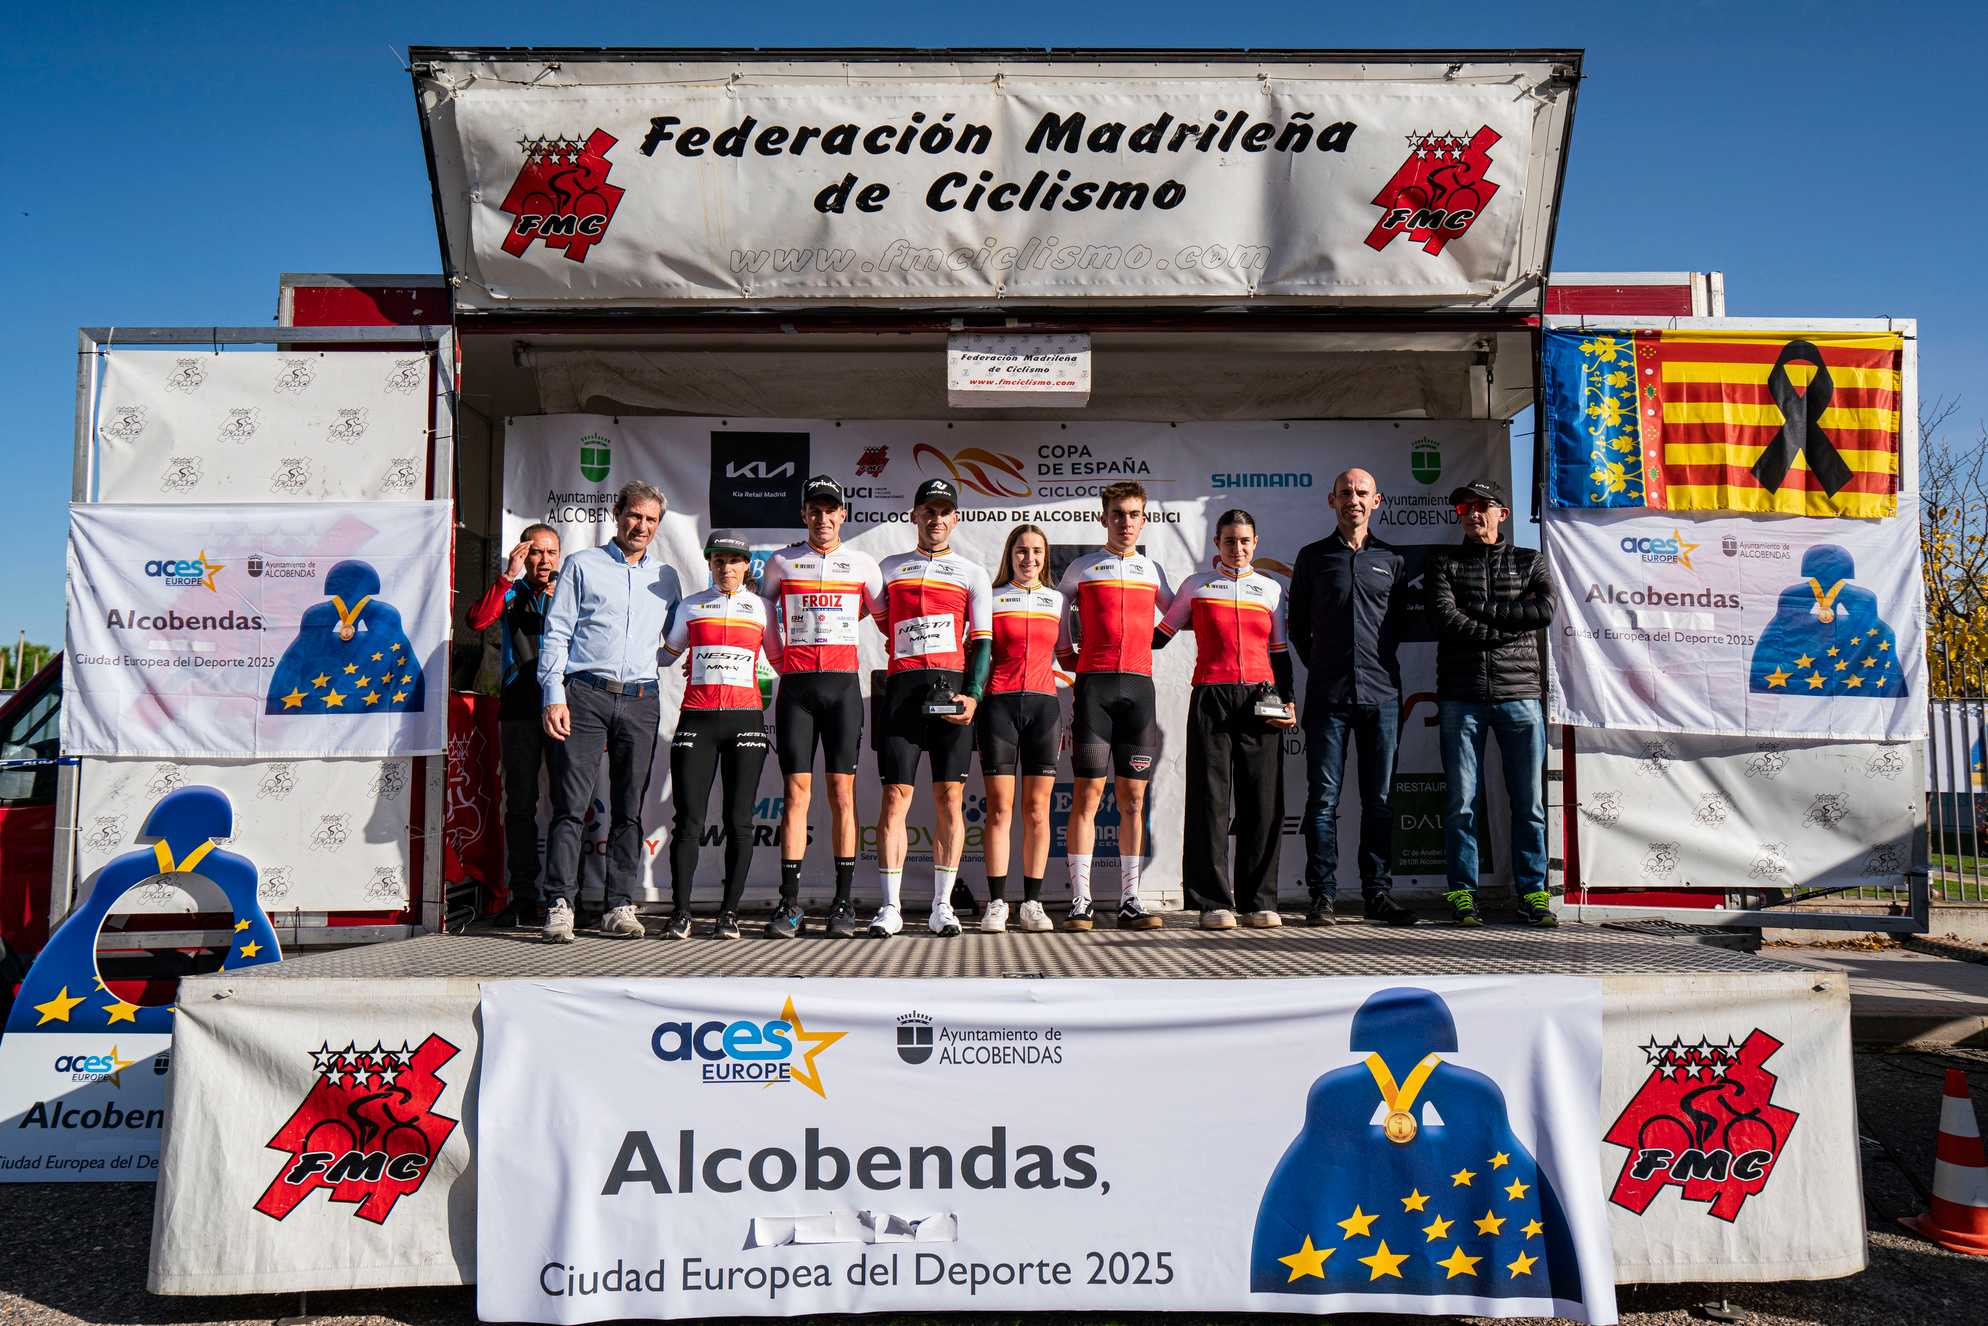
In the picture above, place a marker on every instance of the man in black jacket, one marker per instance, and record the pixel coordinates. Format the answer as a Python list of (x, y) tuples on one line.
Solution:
[(1343, 625), (1489, 600)]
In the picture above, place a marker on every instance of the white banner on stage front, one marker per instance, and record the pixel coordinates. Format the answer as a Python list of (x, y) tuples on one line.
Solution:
[(218, 631), (1739, 626), (749, 1147), (748, 474), (635, 182), (326, 835), (1669, 809), (180, 426)]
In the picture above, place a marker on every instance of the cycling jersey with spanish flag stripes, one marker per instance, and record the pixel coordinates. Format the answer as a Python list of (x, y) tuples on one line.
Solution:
[(933, 604), (1026, 621), (723, 633), (1117, 600), (1238, 624), (818, 599)]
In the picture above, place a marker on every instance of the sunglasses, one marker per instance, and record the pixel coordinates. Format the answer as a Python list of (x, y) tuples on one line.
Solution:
[(1475, 504)]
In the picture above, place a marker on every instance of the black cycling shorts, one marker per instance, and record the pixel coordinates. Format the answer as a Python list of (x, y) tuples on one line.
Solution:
[(904, 730), (1114, 726), (1019, 728), (824, 705)]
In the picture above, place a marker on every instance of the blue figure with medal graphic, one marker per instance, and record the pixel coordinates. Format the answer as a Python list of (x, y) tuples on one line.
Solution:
[(62, 992), (1407, 1178), (1827, 637), (351, 655)]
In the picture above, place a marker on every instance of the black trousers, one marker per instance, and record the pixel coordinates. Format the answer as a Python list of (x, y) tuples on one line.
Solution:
[(525, 749), (1235, 772), (623, 727), (710, 743)]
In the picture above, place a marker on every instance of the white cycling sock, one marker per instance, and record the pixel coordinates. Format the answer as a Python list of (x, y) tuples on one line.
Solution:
[(942, 883), (1080, 877), (1128, 874), (893, 885)]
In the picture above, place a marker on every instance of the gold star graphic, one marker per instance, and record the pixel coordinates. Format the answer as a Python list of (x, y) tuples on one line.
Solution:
[(1307, 1260), (116, 1075), (1804, 660), (1883, 646), (122, 1012), (57, 1009), (351, 668), (1515, 1190), (364, 681), (1491, 1224), (1522, 1265), (407, 679), (1815, 681), (1778, 677), (1384, 1262), (1438, 1228), (396, 646), (334, 699), (250, 949), (1832, 651), (1462, 1178), (372, 697), (398, 696), (1415, 1201), (294, 700), (1853, 682), (1869, 661), (377, 656), (241, 926), (213, 569), (1358, 1223), (321, 681), (1842, 663), (1500, 1160), (1457, 1264), (805, 1072), (1533, 1227)]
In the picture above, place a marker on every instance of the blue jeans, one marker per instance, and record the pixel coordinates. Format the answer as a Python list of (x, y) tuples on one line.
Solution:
[(1521, 729), (1374, 729)]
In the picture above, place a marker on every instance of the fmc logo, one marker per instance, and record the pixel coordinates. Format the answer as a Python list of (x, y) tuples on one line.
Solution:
[(1667, 551), (561, 195), (186, 573), (779, 1049)]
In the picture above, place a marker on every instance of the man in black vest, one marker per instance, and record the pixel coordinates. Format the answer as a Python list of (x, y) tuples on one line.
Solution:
[(519, 599)]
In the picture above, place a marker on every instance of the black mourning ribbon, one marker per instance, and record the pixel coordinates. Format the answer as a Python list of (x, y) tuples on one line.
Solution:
[(1801, 432)]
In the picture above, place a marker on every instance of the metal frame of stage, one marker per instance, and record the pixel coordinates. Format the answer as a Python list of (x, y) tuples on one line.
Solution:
[(1177, 952)]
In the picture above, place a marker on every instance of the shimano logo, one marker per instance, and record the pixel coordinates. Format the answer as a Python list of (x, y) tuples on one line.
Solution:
[(1265, 479)]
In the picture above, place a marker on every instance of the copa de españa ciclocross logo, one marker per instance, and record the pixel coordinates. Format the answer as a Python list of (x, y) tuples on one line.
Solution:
[(748, 1051), (186, 572)]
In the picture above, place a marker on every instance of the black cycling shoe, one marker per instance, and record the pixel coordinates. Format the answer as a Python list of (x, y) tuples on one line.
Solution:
[(1383, 908), (787, 921), (1463, 907), (679, 926), (726, 926), (1321, 912), (842, 919)]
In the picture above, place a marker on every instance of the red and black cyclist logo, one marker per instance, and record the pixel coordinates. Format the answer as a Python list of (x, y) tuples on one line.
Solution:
[(561, 195), (1439, 190), (367, 1132)]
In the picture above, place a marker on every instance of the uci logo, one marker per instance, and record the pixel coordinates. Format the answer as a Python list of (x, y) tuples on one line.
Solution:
[(779, 1049)]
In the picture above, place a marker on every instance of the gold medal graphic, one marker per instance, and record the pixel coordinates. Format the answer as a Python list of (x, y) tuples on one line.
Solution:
[(345, 631), (347, 616), (1399, 1125)]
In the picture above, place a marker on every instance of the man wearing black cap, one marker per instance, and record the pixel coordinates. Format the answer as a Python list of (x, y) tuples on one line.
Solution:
[(1488, 601), (938, 618), (817, 593)]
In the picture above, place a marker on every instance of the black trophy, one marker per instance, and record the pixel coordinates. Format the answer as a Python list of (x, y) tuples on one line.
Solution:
[(940, 701), (1268, 704)]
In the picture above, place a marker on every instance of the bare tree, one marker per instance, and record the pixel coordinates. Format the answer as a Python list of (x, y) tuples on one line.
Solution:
[(1953, 536)]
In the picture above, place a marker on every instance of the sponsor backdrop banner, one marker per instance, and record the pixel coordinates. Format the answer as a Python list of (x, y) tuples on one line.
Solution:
[(1668, 809), (256, 630), (1022, 186), (1797, 627), (268, 1077), (254, 427), (326, 835), (748, 474), (1427, 1150), (83, 1069)]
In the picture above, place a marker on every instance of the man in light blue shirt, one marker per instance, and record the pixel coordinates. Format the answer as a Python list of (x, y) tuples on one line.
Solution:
[(597, 674)]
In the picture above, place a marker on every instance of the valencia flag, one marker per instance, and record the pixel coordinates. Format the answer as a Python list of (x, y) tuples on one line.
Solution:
[(1776, 423)]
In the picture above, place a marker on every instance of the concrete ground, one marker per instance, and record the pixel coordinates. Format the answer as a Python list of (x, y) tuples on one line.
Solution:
[(77, 1254)]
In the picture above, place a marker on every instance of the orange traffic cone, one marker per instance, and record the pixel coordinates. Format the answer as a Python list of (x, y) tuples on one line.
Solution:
[(1958, 1216)]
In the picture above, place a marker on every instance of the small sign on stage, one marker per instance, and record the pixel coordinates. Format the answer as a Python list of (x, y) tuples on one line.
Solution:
[(989, 370)]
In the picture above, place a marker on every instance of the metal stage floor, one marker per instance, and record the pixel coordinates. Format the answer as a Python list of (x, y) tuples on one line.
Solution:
[(1179, 951)]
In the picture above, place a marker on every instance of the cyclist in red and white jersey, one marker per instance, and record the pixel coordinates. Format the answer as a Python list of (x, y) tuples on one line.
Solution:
[(1115, 596), (720, 728), (1235, 756), (936, 619), (818, 592), (1020, 725)]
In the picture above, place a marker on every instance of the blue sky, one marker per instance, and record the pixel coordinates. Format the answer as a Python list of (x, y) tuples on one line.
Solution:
[(165, 163)]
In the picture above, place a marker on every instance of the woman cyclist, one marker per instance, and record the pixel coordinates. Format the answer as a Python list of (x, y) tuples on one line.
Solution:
[(1235, 746), (720, 730), (1018, 725)]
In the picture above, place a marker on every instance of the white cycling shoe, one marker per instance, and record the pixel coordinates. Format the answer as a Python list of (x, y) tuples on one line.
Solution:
[(994, 921), (887, 922), (943, 922)]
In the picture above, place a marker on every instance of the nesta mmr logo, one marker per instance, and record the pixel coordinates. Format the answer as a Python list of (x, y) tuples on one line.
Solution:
[(780, 1049), (561, 195)]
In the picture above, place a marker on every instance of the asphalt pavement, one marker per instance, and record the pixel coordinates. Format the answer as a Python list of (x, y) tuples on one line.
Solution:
[(77, 1253)]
